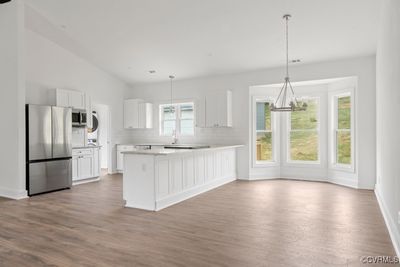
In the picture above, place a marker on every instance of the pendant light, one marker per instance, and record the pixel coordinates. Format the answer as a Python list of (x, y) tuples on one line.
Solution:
[(284, 102), (171, 77), (171, 109)]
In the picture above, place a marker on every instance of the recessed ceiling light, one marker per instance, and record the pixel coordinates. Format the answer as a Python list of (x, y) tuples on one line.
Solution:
[(152, 71)]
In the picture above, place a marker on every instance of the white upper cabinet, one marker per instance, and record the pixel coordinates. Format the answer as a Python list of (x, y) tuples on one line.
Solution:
[(62, 98), (69, 98), (77, 100), (137, 114), (215, 110), (145, 115), (131, 113)]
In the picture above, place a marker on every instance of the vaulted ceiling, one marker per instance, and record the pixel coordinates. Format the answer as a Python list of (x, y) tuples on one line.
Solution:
[(191, 38)]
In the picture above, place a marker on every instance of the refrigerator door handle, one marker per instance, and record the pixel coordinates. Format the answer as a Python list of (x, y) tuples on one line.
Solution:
[(62, 132)]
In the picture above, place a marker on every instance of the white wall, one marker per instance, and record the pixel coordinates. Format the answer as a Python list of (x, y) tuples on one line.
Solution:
[(388, 122), (50, 66), (12, 110), (363, 68)]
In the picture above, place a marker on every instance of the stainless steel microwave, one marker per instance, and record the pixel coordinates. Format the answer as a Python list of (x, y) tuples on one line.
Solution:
[(79, 118)]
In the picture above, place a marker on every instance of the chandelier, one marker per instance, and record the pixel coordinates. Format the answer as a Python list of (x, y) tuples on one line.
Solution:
[(286, 100)]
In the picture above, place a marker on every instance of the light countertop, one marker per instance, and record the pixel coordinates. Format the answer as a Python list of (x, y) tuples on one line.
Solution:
[(169, 151), (83, 147)]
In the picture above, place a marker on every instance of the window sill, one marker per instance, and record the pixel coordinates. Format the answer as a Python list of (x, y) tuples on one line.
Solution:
[(303, 164), (343, 168), (265, 164)]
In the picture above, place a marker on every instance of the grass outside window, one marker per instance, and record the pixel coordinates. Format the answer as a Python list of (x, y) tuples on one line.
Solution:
[(343, 132), (264, 145), (304, 131)]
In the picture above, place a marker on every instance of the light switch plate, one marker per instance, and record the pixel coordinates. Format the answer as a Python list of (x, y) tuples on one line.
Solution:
[(398, 218)]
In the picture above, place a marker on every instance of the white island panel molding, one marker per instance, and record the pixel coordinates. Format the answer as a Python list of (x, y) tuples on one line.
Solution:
[(156, 179)]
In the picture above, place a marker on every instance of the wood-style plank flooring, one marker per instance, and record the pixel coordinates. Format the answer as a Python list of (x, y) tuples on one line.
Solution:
[(259, 223)]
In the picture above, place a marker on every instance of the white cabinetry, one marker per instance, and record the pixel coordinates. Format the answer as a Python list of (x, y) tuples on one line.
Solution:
[(85, 167), (137, 114), (85, 163), (153, 182), (75, 100), (215, 110), (96, 162), (145, 115), (69, 98)]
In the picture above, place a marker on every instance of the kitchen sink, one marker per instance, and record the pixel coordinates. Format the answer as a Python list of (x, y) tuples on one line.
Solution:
[(186, 146)]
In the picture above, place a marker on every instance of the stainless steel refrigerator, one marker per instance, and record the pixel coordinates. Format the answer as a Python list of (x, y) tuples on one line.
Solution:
[(48, 148)]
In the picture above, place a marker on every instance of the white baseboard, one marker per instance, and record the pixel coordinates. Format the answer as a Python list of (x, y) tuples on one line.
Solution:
[(345, 182), (338, 181), (171, 200), (129, 204), (13, 194), (390, 222), (312, 179)]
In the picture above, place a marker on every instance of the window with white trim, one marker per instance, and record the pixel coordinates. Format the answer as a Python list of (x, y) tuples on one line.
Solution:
[(343, 129), (178, 118), (303, 132), (263, 132)]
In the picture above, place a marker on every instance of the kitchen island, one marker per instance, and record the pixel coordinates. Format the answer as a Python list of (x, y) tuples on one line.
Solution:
[(156, 178)]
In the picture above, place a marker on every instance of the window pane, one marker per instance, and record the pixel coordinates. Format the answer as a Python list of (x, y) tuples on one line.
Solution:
[(344, 112), (168, 113), (187, 127), (343, 147), (264, 146), (169, 127), (308, 119), (187, 111), (304, 145), (263, 119)]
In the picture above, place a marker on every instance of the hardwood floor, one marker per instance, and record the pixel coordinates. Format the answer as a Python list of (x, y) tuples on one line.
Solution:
[(260, 223)]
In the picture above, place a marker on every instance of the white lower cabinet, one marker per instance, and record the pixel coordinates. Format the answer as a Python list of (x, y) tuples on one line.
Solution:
[(85, 166), (85, 163), (75, 174), (96, 162)]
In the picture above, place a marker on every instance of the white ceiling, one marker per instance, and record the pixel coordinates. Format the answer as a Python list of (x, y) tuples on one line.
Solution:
[(191, 38)]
